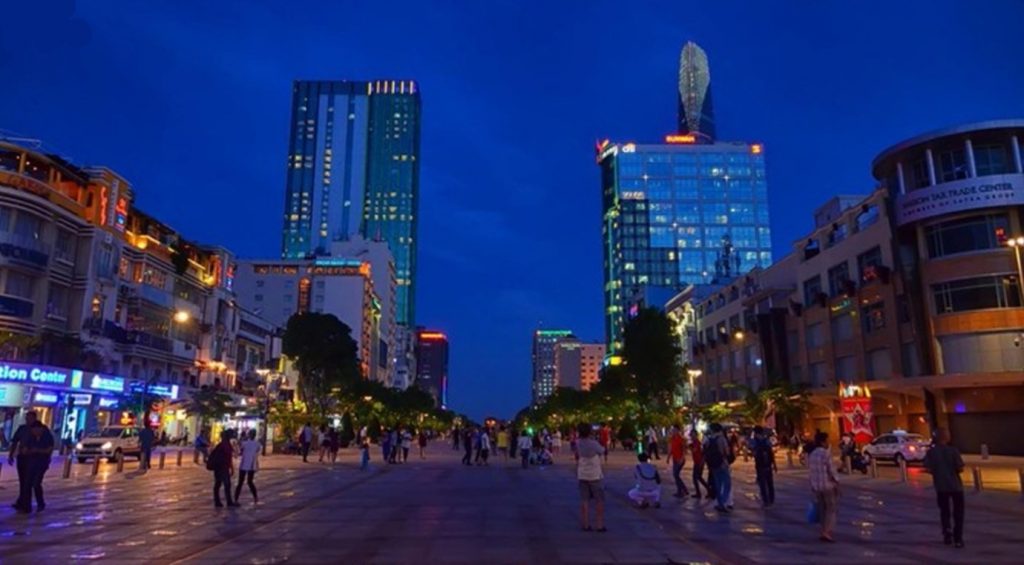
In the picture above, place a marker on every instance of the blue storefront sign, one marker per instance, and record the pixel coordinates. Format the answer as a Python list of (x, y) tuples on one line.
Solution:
[(45, 397), (59, 377), (164, 390)]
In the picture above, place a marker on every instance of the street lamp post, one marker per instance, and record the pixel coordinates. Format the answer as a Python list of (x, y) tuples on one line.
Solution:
[(1016, 244)]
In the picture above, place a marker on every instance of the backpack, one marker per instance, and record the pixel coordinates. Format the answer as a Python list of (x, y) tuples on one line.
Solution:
[(713, 454), (213, 461)]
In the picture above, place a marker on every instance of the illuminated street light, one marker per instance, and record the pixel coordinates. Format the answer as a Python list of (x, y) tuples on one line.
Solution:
[(1016, 243), (181, 316), (738, 335)]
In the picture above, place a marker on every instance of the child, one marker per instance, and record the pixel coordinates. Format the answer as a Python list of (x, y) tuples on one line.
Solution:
[(648, 484), (364, 454)]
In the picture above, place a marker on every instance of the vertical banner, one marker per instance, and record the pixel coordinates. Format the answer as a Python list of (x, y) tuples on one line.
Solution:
[(857, 418)]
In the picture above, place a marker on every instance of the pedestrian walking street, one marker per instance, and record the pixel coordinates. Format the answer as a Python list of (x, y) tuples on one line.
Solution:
[(439, 511)]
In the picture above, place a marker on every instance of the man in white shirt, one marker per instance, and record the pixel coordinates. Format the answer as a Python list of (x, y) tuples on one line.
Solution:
[(249, 450), (589, 474), (523, 445)]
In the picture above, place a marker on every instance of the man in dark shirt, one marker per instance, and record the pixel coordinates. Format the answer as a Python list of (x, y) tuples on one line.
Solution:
[(146, 439), (32, 448), (945, 464), (220, 462)]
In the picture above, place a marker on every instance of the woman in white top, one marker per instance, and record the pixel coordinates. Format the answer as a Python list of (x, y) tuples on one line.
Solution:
[(249, 452)]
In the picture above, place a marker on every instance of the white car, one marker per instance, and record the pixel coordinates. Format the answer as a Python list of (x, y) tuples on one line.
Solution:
[(897, 446), (109, 443)]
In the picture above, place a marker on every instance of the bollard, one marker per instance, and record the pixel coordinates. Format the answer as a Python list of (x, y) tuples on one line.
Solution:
[(874, 468), (96, 466), (163, 454), (180, 452), (976, 474), (120, 461), (903, 470), (66, 471), (984, 452)]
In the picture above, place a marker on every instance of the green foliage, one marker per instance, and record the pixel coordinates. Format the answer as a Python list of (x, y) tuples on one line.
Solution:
[(287, 417), (651, 352), (325, 355), (208, 404)]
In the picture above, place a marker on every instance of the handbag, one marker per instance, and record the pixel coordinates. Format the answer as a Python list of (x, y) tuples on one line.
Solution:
[(813, 512)]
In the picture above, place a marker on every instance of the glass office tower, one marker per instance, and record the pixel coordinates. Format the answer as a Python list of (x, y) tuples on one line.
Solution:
[(353, 167), (677, 214)]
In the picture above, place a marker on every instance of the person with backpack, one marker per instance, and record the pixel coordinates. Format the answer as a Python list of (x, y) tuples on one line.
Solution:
[(764, 466), (647, 490), (718, 456), (220, 462)]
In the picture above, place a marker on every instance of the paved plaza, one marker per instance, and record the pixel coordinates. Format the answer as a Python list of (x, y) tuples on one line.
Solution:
[(438, 511)]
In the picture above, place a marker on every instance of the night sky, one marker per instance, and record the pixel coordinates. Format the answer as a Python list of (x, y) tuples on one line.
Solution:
[(190, 101)]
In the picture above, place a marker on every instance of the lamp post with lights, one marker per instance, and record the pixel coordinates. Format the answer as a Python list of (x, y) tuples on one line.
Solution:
[(1016, 243)]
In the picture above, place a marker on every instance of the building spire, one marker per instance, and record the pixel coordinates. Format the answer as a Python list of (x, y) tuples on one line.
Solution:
[(695, 112)]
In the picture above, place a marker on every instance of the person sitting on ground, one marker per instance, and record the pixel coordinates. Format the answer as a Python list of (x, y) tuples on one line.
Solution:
[(647, 490)]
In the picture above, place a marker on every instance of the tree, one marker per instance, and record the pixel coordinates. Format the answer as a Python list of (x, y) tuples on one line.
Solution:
[(325, 355), (651, 353), (208, 404)]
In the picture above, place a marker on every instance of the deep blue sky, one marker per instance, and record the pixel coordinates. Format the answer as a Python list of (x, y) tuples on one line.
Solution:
[(189, 100)]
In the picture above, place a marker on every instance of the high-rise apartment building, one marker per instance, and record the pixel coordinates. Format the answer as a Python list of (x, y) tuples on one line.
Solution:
[(578, 364), (687, 211), (353, 168), (695, 114), (432, 364), (545, 344)]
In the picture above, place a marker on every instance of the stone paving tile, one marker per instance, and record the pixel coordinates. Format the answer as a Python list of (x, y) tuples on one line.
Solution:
[(439, 511)]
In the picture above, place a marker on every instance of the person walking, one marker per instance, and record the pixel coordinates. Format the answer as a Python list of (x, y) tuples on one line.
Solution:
[(652, 442), (394, 440), (945, 464), (31, 449), (824, 485), (523, 444), (764, 466), (421, 440), (222, 464), (503, 442), (647, 490), (306, 440), (697, 454), (248, 464), (202, 445), (605, 439), (146, 439), (485, 447), (364, 454), (717, 456), (14, 457), (323, 443), (335, 440), (556, 442), (467, 446), (677, 453), (589, 475)]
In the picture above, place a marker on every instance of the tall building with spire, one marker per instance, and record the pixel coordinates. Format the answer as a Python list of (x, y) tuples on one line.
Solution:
[(696, 116), (353, 168), (688, 210)]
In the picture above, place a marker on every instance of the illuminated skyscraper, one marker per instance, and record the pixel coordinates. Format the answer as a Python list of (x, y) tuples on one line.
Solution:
[(695, 113), (353, 168), (689, 211), (545, 346), (432, 364)]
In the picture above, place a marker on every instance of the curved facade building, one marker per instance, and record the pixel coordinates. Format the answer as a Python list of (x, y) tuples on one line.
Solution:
[(957, 197)]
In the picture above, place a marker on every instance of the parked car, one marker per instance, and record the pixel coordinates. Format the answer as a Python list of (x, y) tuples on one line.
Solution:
[(897, 446), (109, 443)]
